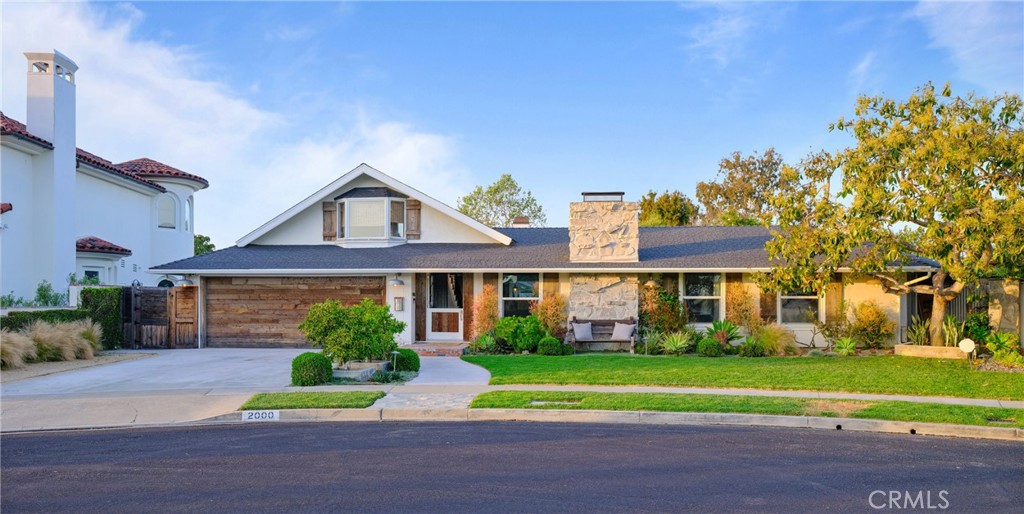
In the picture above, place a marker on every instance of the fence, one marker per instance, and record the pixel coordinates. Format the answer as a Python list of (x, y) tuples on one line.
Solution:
[(159, 317)]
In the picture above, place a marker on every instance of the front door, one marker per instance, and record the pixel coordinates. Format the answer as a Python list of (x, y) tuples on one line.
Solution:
[(444, 307)]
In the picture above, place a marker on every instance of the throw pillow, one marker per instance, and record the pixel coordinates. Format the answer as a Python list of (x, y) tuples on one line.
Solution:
[(583, 331), (623, 331)]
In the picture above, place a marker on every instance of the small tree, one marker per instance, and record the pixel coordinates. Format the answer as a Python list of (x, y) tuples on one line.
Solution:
[(485, 311), (551, 311), (661, 311), (870, 326), (500, 203), (202, 245), (363, 331)]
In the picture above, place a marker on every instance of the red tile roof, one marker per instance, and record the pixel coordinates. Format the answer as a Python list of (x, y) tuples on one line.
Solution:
[(136, 170), (97, 245), (5, 207), (146, 167), (17, 128)]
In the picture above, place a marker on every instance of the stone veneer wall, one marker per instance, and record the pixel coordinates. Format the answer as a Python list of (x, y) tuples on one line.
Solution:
[(604, 232), (603, 296), (1005, 304)]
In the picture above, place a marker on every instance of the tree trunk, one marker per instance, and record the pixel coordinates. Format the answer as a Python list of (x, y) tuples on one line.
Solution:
[(938, 316)]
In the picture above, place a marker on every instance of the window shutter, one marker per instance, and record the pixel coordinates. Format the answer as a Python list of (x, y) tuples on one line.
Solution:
[(330, 215), (834, 300), (412, 219)]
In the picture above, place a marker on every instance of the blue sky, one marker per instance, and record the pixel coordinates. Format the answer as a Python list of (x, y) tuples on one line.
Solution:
[(270, 101)]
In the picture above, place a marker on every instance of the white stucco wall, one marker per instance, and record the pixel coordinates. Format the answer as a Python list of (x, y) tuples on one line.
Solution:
[(171, 244), (17, 268), (407, 314), (118, 215)]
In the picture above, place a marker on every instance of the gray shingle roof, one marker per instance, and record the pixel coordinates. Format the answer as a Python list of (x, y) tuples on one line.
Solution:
[(533, 248)]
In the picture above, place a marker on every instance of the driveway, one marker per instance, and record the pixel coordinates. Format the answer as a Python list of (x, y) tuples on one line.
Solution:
[(171, 370)]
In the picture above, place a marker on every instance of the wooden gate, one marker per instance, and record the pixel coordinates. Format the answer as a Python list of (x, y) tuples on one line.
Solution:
[(160, 317)]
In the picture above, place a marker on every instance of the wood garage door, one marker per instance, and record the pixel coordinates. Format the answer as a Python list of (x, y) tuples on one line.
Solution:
[(257, 312)]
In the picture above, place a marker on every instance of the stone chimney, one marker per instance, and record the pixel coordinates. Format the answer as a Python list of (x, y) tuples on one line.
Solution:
[(50, 114), (604, 228), (521, 222)]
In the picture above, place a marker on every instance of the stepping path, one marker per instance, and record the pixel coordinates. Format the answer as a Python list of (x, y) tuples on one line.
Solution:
[(438, 371)]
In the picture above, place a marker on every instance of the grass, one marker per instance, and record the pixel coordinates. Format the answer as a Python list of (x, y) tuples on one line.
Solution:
[(662, 402), (883, 374), (317, 400)]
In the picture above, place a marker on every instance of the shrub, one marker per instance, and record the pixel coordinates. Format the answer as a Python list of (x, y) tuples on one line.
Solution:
[(952, 331), (15, 349), (709, 347), (832, 329), (777, 340), (870, 326), (362, 331), (59, 342), (407, 360), (548, 345), (485, 311), (551, 312), (47, 297), (568, 349), (310, 369), (1011, 358), (385, 377), (741, 310), (521, 333), (846, 347), (725, 332), (22, 320), (917, 333), (998, 342), (752, 347), (484, 344), (677, 343), (90, 332), (977, 326), (814, 352), (661, 310), (104, 307)]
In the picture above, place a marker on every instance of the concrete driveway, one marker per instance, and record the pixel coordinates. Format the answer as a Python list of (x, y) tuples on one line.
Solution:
[(171, 370)]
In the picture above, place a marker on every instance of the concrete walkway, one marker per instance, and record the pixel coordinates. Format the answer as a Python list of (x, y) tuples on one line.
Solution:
[(434, 387), (450, 371)]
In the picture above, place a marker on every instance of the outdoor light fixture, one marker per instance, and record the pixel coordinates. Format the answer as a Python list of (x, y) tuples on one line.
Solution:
[(396, 281), (650, 283), (399, 303)]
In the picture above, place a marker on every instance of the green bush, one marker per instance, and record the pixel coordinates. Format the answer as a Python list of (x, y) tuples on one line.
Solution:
[(752, 347), (362, 331), (521, 333), (725, 332), (104, 307), (871, 326), (310, 369), (549, 346), (977, 326), (22, 320), (814, 352), (661, 310), (998, 342), (407, 360), (709, 347), (484, 344), (917, 334), (846, 347), (952, 331), (777, 340), (677, 343), (386, 377)]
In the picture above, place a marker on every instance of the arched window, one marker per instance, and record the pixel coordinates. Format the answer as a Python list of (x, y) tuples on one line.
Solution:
[(188, 215), (166, 211)]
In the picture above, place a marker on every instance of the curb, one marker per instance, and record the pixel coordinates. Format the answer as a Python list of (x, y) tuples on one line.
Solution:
[(638, 418)]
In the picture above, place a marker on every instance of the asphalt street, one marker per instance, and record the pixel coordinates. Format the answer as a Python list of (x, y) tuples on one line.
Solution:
[(503, 467)]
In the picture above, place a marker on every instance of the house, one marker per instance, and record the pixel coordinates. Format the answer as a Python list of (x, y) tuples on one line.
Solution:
[(367, 235), (66, 210)]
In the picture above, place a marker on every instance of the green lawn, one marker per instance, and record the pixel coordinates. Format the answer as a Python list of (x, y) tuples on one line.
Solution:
[(885, 410), (317, 400), (884, 374)]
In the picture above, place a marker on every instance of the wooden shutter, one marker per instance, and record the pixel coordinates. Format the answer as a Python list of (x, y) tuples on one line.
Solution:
[(834, 299), (330, 217), (412, 219)]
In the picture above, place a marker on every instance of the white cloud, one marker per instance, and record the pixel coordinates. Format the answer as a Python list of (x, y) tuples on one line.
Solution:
[(722, 39), (985, 40), (140, 98), (860, 75)]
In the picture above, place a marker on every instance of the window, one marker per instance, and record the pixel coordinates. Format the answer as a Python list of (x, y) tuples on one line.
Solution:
[(166, 211), (366, 219), (397, 219), (188, 215), (517, 291), (341, 220), (798, 307), (702, 294), (92, 274)]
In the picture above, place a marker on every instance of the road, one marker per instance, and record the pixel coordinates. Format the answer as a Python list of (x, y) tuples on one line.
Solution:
[(501, 467)]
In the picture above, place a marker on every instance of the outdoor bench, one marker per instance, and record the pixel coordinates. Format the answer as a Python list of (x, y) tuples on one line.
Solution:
[(603, 336)]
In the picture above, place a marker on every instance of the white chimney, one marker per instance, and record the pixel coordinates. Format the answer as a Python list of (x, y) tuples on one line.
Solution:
[(51, 116)]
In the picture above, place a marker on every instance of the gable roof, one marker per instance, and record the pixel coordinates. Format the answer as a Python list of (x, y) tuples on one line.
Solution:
[(136, 170), (390, 182)]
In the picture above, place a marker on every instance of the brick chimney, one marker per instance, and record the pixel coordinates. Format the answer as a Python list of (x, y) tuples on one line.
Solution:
[(521, 222), (604, 228)]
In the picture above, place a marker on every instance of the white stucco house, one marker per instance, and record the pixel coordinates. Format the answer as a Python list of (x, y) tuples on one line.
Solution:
[(66, 210), (368, 235)]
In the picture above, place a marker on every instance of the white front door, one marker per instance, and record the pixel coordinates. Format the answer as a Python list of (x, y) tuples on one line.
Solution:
[(444, 307)]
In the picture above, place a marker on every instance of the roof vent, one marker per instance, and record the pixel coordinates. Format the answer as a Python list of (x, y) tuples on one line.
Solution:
[(521, 222), (603, 196)]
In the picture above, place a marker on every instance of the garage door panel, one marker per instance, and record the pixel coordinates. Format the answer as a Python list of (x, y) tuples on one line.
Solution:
[(266, 311)]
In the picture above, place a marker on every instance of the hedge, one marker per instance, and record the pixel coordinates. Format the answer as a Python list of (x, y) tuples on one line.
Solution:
[(18, 320), (407, 360), (104, 307)]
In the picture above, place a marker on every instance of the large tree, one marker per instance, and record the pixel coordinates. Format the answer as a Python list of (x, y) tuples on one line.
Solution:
[(202, 244), (933, 176), (740, 197), (500, 203), (666, 210)]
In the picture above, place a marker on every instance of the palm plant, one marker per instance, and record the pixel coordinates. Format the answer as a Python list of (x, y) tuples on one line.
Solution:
[(725, 332)]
